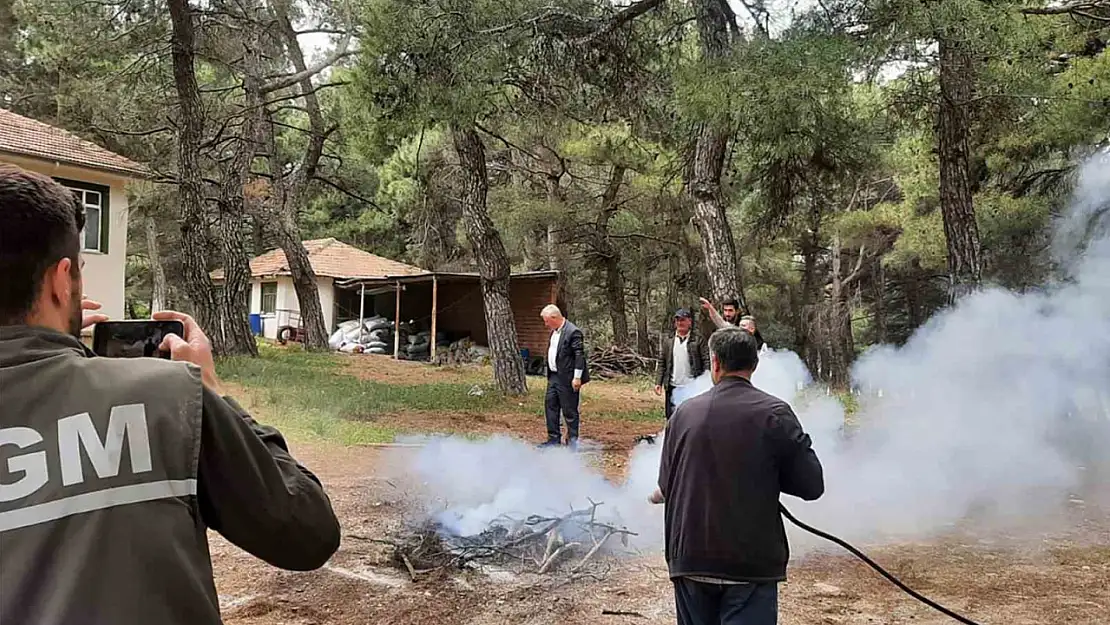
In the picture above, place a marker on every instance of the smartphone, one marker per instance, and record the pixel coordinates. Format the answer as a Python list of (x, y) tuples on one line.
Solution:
[(133, 339)]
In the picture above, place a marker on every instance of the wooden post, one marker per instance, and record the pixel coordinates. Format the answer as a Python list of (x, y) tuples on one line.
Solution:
[(361, 311), (397, 323), (435, 302)]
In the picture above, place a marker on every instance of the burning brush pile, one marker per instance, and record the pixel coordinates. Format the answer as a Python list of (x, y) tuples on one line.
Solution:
[(566, 545)]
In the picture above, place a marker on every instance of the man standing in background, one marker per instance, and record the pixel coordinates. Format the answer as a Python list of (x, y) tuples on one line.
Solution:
[(730, 309), (566, 373), (684, 359), (747, 322)]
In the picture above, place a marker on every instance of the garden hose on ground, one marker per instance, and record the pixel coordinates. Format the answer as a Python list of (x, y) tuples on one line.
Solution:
[(894, 580)]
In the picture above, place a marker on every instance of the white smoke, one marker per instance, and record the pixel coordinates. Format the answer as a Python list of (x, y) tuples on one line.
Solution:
[(474, 484), (780, 373), (996, 411)]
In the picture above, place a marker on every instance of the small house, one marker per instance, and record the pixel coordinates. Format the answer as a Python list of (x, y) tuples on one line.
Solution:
[(97, 178)]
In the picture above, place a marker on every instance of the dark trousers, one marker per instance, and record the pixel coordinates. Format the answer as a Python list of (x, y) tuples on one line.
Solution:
[(699, 603), (668, 398), (561, 397)]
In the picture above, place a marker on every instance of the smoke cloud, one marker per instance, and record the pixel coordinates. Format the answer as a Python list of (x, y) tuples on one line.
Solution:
[(995, 414), (473, 484)]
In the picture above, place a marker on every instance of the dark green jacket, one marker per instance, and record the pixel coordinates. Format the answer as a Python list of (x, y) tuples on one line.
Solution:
[(113, 471)]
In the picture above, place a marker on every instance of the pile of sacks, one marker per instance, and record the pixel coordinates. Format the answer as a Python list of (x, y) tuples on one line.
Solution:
[(418, 346), (377, 337)]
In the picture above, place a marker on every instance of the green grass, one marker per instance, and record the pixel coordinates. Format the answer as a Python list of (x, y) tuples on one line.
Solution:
[(849, 401), (308, 395), (311, 396), (319, 380)]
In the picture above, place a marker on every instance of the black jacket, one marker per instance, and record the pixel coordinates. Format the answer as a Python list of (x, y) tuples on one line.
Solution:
[(727, 454), (699, 359), (570, 356)]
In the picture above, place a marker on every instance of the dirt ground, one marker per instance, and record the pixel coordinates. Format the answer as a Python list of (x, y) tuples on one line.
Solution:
[(1059, 582)]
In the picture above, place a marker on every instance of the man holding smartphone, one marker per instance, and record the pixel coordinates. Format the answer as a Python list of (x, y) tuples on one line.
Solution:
[(113, 470)]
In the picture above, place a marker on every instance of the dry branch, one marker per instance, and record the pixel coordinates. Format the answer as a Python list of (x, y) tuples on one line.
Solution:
[(613, 361), (536, 543)]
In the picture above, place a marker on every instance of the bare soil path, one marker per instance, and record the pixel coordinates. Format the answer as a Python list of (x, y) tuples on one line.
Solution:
[(1060, 583)]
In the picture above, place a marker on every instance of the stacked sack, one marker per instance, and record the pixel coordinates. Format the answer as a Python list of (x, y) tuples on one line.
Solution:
[(376, 336), (418, 346)]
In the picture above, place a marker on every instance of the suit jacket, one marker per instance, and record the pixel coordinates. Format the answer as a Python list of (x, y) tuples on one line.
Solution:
[(699, 359), (571, 355)]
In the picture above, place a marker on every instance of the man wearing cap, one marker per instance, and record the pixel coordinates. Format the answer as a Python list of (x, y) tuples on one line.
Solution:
[(684, 359)]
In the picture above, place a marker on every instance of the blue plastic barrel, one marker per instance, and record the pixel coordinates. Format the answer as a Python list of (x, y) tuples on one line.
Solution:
[(524, 353), (256, 324)]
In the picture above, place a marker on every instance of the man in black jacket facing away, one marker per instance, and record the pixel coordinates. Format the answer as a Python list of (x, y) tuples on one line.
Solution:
[(684, 359), (566, 373), (727, 455)]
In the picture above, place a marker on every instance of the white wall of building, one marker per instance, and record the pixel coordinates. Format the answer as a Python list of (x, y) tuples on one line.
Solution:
[(287, 302), (104, 275)]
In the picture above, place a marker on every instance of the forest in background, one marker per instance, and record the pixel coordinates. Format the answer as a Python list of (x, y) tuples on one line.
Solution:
[(844, 168)]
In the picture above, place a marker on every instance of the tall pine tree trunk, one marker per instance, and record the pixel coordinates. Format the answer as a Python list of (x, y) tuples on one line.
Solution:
[(234, 230), (912, 291), (194, 236), (234, 227), (806, 319), (643, 309), (304, 284), (880, 302), (706, 166), (291, 194), (838, 323), (493, 262), (158, 291), (555, 241), (611, 260), (953, 125)]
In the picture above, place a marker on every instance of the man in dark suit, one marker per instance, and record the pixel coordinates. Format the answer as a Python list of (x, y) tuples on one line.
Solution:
[(566, 373), (727, 456), (684, 359)]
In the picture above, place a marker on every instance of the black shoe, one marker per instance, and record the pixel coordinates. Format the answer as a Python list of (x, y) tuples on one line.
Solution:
[(549, 443)]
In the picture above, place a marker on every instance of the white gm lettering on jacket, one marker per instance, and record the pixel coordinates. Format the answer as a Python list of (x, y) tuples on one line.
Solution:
[(78, 438)]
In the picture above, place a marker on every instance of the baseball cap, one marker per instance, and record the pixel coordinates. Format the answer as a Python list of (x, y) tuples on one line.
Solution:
[(683, 313)]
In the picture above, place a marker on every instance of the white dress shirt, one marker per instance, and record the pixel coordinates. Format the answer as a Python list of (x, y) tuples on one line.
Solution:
[(680, 361), (553, 351)]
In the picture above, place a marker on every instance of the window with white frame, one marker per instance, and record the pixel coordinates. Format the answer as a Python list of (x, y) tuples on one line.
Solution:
[(269, 298), (95, 236)]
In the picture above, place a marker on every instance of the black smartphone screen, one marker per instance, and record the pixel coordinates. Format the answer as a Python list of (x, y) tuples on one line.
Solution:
[(133, 339)]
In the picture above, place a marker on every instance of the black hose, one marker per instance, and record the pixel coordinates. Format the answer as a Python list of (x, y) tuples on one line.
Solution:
[(894, 580)]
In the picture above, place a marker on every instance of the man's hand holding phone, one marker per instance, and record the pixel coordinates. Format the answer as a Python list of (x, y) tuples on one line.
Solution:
[(194, 347), (90, 320)]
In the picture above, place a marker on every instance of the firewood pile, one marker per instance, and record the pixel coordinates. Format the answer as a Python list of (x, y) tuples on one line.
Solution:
[(614, 361), (566, 545), (462, 352)]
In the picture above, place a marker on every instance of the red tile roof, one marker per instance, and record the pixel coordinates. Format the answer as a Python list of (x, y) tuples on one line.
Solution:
[(24, 136), (330, 259)]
